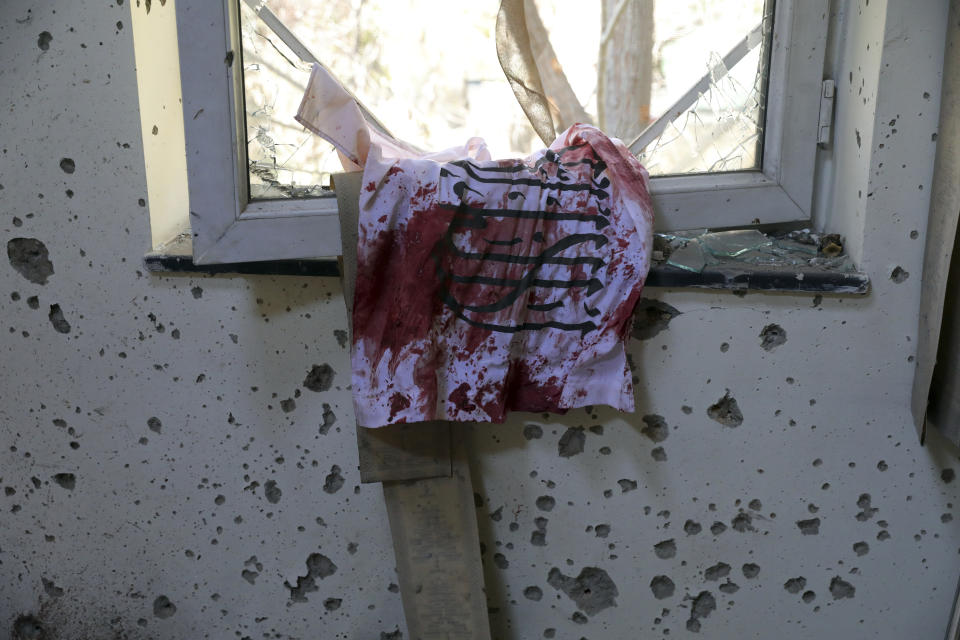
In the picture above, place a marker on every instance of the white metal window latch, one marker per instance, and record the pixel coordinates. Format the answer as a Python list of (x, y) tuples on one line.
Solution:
[(828, 90)]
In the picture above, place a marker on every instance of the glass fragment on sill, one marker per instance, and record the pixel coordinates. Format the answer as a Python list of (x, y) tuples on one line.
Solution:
[(734, 243), (697, 250), (688, 257)]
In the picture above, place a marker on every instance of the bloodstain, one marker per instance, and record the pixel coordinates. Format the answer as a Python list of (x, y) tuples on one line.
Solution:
[(460, 399), (398, 402)]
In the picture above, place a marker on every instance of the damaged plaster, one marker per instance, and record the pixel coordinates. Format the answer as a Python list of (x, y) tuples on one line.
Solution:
[(164, 465)]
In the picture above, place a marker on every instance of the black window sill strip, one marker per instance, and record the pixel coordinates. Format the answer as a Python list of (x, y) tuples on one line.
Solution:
[(735, 277)]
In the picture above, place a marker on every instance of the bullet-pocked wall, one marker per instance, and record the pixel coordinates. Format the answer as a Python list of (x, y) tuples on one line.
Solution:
[(177, 458)]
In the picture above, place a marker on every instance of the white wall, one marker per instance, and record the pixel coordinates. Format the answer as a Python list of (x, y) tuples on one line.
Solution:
[(826, 414)]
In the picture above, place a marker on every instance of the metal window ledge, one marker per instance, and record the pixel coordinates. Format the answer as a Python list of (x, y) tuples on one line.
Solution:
[(738, 277)]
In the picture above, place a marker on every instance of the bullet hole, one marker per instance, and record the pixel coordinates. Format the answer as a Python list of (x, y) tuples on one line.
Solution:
[(272, 491), (68, 165), (538, 538), (533, 593), (883, 535), (329, 419), (219, 500), (840, 588), (898, 274), (334, 481), (946, 517), (687, 410), (662, 587), (59, 323), (751, 571), (703, 605), (655, 427), (726, 411), (659, 454), (288, 405), (882, 465), (341, 337), (66, 480), (602, 530), (809, 527), (665, 549), (691, 528), (948, 475), (27, 627), (592, 591), (795, 585), (33, 302), (857, 133), (197, 292), (755, 505), (319, 378), (228, 59), (729, 588), (724, 347), (867, 511), (772, 336), (318, 566), (651, 317), (571, 442), (861, 548), (332, 604), (717, 528), (532, 431), (51, 589), (546, 503), (163, 608), (808, 596), (30, 258), (497, 515), (627, 485), (717, 571), (154, 424), (742, 522), (44, 40), (393, 635), (500, 561)]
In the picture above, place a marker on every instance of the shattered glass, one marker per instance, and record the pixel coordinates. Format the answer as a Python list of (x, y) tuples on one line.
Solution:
[(438, 87), (284, 160), (719, 126), (698, 250)]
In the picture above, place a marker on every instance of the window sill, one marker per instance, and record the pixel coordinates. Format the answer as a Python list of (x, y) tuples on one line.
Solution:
[(735, 276)]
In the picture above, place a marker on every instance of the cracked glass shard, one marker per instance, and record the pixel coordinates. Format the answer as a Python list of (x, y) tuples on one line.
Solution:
[(688, 257), (731, 244)]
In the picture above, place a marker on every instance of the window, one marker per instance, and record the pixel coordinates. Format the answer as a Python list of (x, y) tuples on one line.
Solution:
[(232, 221)]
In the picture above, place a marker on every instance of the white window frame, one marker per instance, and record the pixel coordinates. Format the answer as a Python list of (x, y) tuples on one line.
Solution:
[(227, 227)]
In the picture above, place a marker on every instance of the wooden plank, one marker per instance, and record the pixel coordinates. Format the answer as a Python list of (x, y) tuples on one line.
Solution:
[(435, 538), (397, 452)]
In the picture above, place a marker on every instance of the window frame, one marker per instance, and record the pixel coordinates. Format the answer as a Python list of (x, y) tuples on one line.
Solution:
[(226, 227)]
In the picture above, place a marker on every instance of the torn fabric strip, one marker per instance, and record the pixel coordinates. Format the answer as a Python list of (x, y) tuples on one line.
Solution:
[(487, 286)]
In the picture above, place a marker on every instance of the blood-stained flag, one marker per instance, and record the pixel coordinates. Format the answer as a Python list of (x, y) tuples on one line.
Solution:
[(492, 286)]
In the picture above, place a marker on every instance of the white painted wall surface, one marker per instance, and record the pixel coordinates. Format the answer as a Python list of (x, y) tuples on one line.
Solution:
[(179, 510)]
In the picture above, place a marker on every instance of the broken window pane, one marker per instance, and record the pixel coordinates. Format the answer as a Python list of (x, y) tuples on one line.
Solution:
[(438, 86)]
